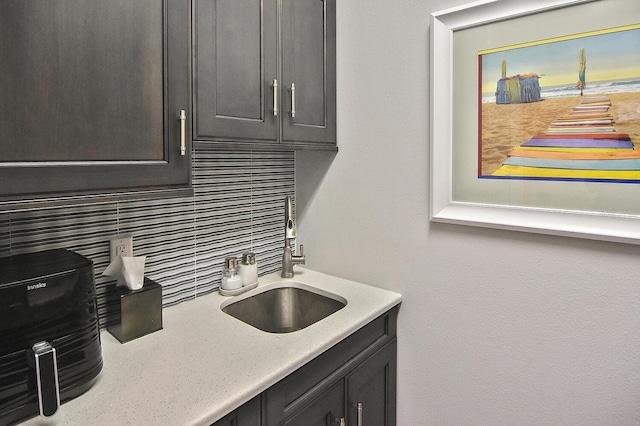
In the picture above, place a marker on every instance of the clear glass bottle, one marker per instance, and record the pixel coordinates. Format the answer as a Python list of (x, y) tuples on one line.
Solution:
[(230, 278), (249, 269)]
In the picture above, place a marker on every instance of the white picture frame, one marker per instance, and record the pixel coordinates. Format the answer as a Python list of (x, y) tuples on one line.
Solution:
[(624, 228)]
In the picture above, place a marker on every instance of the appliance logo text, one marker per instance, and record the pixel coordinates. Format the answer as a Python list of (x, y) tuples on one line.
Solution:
[(36, 286)]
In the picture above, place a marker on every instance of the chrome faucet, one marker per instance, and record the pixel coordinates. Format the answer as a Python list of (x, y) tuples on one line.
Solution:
[(288, 258)]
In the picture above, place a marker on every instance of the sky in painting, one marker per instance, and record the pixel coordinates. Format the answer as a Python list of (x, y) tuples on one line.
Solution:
[(611, 56)]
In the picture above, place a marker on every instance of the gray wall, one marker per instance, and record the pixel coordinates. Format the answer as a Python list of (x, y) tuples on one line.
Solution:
[(496, 327)]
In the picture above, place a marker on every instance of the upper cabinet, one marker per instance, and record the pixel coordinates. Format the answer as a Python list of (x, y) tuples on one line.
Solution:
[(264, 73), (309, 71), (96, 95), (91, 97)]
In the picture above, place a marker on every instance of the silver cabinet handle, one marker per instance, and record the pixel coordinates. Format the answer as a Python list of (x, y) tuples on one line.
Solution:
[(293, 100), (275, 97), (359, 411), (183, 132)]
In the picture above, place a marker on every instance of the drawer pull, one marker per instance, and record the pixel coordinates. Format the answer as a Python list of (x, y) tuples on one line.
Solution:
[(275, 97), (183, 132), (358, 408), (293, 100)]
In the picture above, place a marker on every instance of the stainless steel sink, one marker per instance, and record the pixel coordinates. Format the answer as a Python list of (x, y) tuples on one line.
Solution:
[(287, 308)]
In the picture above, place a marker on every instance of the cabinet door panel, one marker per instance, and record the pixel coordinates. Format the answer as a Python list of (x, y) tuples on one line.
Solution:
[(90, 92), (237, 47), (326, 410), (248, 414), (66, 69), (235, 64), (308, 40), (373, 385), (309, 60)]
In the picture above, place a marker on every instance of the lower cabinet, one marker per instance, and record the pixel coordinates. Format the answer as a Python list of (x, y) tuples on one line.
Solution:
[(371, 390), (327, 409), (249, 414), (351, 384)]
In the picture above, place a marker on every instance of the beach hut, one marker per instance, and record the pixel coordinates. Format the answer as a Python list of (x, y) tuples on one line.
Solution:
[(518, 88)]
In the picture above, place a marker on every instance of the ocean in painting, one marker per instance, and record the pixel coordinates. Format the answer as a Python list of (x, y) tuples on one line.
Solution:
[(597, 87)]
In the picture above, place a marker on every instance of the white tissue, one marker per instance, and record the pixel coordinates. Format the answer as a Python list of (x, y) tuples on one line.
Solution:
[(129, 271)]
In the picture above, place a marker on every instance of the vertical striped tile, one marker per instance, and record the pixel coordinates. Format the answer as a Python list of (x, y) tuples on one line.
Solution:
[(163, 231), (222, 189), (273, 180), (237, 207), (5, 234)]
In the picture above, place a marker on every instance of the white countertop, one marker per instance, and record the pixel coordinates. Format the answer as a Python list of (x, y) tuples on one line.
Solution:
[(205, 363)]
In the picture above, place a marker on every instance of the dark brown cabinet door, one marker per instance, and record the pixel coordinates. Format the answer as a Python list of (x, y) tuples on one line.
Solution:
[(248, 414), (235, 67), (90, 95), (371, 389), (264, 72), (326, 410), (309, 71)]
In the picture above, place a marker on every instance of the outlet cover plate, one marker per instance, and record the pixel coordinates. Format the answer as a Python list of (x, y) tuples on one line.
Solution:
[(121, 245)]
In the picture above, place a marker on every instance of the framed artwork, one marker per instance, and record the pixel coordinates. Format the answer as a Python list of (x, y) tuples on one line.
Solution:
[(535, 117)]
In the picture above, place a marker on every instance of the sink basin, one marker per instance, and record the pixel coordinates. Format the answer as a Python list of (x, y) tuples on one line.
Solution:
[(287, 307)]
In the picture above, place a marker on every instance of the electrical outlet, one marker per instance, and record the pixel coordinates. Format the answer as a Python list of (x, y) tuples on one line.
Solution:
[(121, 245)]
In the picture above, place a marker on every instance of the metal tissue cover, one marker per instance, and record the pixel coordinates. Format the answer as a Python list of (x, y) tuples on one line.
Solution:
[(140, 312)]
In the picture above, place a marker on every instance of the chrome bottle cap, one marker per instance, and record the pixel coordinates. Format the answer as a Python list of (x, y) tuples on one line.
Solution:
[(248, 258), (231, 262)]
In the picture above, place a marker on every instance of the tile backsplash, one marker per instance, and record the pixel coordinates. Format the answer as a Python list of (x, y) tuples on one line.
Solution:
[(237, 206)]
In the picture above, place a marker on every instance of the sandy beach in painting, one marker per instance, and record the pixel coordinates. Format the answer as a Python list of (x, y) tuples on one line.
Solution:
[(509, 125)]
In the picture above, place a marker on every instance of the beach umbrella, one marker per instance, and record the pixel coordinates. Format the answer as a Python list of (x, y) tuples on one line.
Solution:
[(504, 68), (582, 82)]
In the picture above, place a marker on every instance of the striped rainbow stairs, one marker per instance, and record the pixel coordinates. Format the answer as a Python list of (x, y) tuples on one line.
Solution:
[(583, 144)]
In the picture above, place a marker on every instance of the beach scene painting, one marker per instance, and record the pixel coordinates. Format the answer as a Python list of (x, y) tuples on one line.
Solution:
[(566, 108)]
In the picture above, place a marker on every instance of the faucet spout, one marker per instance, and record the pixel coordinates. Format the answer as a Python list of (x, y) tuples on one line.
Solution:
[(289, 223), (288, 258)]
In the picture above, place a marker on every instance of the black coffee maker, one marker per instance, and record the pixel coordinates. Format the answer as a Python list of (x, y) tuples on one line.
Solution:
[(50, 348)]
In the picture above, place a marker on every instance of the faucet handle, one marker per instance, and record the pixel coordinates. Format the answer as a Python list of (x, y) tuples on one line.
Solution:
[(299, 259)]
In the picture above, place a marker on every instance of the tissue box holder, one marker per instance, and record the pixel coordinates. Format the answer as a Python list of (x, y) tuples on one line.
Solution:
[(139, 313)]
